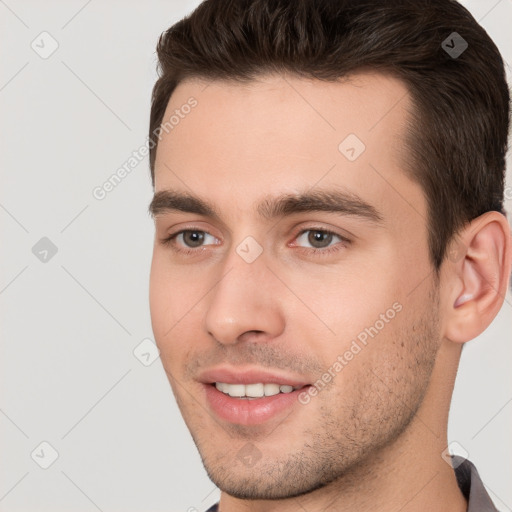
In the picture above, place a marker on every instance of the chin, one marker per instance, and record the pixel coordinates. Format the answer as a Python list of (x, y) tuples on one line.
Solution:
[(259, 487)]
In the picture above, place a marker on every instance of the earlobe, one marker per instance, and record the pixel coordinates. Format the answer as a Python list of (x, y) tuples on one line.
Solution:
[(479, 278)]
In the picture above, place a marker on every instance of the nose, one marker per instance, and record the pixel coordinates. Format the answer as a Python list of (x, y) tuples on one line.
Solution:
[(245, 300)]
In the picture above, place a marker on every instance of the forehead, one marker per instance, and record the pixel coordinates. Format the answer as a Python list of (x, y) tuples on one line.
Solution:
[(281, 133)]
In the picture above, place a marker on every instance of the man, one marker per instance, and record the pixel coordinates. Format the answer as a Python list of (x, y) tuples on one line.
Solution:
[(330, 231)]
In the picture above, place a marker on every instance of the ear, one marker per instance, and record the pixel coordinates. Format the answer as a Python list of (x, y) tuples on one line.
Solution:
[(476, 273)]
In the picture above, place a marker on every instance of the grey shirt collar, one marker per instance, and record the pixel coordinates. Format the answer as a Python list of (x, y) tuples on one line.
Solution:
[(471, 486)]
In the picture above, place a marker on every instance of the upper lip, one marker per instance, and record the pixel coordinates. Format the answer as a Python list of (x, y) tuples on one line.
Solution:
[(249, 376)]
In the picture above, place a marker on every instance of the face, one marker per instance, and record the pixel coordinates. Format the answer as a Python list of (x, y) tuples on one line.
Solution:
[(296, 263)]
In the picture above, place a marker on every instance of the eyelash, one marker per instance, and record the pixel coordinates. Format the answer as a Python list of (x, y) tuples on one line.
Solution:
[(169, 242)]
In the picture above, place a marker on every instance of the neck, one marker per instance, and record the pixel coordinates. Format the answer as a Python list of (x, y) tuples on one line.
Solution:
[(409, 475)]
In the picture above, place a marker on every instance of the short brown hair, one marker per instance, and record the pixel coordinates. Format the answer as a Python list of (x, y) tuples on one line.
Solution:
[(457, 138)]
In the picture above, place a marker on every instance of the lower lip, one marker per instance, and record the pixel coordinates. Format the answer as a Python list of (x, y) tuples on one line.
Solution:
[(250, 412)]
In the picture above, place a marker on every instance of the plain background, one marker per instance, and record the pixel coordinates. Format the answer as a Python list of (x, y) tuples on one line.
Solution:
[(70, 325)]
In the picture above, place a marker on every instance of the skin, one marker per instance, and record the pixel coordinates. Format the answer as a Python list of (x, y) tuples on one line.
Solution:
[(372, 438)]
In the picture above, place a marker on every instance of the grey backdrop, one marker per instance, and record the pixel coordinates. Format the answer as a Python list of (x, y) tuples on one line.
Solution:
[(79, 396)]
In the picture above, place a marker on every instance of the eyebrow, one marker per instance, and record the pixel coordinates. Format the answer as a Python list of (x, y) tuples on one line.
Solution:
[(331, 201)]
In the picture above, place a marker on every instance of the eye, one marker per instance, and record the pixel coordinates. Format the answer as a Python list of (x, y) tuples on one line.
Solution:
[(189, 239), (320, 241), (194, 238)]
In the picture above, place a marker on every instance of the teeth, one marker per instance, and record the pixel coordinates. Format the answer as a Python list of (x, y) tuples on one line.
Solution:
[(220, 386), (253, 390), (235, 389)]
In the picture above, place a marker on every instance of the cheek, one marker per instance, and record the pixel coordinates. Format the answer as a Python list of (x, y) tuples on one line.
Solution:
[(383, 381), (168, 301), (158, 297), (343, 303), (171, 289)]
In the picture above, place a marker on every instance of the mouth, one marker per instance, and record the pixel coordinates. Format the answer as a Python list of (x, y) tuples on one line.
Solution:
[(251, 397)]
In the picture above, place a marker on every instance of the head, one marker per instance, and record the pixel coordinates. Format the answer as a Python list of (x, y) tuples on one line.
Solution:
[(331, 193)]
